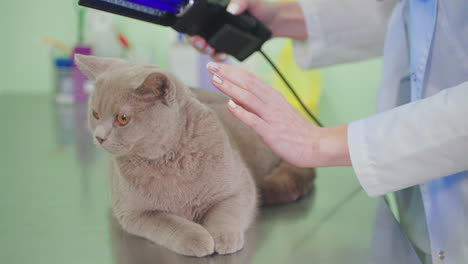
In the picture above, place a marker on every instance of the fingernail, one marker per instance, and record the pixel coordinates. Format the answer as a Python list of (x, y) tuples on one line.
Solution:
[(209, 50), (221, 57), (212, 66), (233, 8), (217, 79), (232, 104), (199, 44)]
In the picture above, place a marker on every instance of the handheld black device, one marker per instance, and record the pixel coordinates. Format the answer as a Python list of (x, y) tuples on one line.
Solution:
[(239, 36)]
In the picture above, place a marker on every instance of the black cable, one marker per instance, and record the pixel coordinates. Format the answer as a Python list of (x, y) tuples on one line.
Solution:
[(290, 88)]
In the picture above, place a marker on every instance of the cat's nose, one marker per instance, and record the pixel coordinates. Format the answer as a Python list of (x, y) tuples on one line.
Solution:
[(100, 140)]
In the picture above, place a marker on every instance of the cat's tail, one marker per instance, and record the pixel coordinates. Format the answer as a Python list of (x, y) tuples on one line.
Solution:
[(285, 184)]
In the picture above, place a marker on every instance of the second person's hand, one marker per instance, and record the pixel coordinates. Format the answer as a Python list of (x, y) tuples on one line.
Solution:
[(257, 8)]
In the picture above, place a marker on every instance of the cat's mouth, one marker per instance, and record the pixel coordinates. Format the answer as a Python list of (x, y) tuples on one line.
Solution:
[(112, 147)]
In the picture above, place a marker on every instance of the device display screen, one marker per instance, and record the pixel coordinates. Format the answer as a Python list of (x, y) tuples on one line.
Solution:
[(171, 6), (137, 6), (161, 12), (151, 7)]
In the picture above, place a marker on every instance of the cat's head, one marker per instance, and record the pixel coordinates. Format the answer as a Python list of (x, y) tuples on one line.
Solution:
[(134, 108)]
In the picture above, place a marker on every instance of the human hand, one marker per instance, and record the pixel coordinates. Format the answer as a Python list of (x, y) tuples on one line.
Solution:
[(281, 127)]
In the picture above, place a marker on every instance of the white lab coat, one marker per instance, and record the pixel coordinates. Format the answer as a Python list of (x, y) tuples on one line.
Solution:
[(418, 150)]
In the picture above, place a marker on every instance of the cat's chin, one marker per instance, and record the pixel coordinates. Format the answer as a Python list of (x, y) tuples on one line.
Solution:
[(117, 153), (114, 150)]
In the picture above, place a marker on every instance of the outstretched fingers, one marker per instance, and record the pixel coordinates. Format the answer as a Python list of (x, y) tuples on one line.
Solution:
[(253, 101), (248, 118), (242, 96), (244, 80)]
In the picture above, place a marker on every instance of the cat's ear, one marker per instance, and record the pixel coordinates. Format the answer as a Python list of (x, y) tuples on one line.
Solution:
[(93, 66), (157, 86)]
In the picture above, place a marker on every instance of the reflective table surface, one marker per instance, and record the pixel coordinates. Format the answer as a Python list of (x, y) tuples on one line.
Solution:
[(54, 205)]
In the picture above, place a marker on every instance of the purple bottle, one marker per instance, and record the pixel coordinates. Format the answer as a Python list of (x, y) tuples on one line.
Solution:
[(79, 79)]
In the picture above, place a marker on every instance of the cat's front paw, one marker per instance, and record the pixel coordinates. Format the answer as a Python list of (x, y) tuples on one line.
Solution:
[(197, 242), (228, 242)]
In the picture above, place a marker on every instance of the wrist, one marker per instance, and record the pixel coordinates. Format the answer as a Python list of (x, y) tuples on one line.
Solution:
[(285, 19), (333, 147)]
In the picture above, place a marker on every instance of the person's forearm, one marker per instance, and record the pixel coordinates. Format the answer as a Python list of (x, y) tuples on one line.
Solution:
[(333, 147), (287, 20)]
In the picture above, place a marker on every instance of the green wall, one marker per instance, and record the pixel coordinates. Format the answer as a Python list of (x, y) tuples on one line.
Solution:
[(349, 91), (27, 67)]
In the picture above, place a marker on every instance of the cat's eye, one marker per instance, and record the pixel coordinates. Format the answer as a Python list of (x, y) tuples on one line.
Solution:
[(96, 115), (123, 119)]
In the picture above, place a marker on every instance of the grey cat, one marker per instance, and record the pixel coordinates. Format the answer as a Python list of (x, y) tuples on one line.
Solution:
[(184, 173)]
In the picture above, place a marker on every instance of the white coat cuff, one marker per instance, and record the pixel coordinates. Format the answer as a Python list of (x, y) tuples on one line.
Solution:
[(361, 159)]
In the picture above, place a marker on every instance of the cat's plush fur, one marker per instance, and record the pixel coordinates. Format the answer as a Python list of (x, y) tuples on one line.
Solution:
[(184, 172)]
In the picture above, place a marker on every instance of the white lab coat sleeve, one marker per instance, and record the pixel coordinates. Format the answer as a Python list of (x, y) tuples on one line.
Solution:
[(411, 144), (342, 31)]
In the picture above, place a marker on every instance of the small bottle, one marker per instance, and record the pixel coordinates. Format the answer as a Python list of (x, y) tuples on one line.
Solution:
[(79, 79), (63, 81)]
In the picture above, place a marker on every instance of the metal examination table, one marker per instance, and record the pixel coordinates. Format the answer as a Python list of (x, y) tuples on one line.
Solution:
[(54, 204)]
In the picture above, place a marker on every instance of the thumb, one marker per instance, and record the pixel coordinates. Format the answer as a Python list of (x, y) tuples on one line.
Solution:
[(237, 7)]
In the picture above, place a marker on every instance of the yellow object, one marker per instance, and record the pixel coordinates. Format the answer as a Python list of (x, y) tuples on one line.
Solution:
[(305, 83), (56, 44)]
